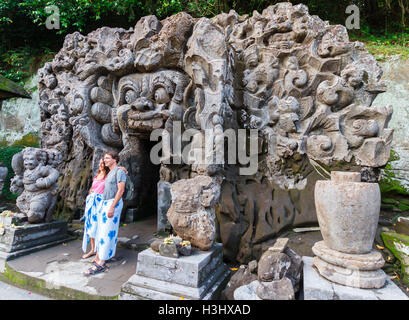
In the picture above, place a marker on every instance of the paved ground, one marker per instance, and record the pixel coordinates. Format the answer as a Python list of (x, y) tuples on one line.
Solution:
[(62, 266), (9, 292)]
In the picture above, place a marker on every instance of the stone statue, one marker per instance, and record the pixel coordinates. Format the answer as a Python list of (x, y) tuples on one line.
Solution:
[(192, 212), (36, 183), (3, 174), (293, 77)]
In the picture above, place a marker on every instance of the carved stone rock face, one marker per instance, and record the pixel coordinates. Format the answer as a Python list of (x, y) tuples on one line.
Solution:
[(192, 212), (145, 101), (293, 77), (36, 182)]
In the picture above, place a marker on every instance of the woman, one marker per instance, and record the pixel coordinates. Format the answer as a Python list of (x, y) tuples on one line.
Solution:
[(92, 204)]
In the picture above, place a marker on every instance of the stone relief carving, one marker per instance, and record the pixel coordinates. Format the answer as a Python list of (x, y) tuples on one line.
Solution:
[(36, 182), (297, 79)]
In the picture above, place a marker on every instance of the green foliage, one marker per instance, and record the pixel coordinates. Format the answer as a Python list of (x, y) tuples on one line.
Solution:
[(18, 64), (23, 33), (382, 46), (6, 154)]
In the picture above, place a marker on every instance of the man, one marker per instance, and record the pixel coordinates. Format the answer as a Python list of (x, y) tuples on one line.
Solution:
[(109, 213)]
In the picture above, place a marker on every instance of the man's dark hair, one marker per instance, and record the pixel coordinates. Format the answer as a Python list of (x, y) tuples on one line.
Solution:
[(113, 154)]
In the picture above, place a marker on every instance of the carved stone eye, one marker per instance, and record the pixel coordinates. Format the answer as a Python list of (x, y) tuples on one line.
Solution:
[(161, 96), (130, 96)]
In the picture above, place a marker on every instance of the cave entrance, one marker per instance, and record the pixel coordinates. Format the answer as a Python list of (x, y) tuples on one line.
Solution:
[(146, 204)]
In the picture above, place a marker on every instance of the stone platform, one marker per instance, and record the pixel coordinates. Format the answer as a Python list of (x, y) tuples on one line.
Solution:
[(22, 240), (352, 270), (200, 276), (318, 288)]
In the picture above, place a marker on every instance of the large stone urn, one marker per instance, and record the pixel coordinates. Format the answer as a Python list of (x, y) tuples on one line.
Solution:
[(348, 212)]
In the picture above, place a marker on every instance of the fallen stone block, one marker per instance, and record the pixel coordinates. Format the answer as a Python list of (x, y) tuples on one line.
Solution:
[(276, 290), (247, 292)]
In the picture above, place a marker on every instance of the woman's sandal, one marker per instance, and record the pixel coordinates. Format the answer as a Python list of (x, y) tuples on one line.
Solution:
[(113, 259), (95, 270)]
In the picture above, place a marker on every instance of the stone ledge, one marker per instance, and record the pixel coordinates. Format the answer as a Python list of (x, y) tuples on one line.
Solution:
[(318, 288), (200, 276), (40, 286)]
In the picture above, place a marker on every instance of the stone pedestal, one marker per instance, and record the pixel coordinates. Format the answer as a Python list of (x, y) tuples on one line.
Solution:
[(317, 287), (354, 270), (200, 276), (14, 219), (15, 242), (348, 212)]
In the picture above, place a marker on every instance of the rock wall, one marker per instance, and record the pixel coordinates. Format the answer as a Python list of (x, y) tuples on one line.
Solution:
[(20, 117), (395, 177)]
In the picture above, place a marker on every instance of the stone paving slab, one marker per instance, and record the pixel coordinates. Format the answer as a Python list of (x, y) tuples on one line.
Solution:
[(59, 269), (9, 292), (318, 288), (61, 266)]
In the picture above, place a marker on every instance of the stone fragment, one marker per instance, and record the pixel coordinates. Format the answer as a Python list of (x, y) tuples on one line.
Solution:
[(123, 240), (185, 250), (168, 250), (253, 266), (247, 292), (273, 266), (309, 229), (241, 277), (402, 226), (280, 245), (295, 271), (155, 244), (177, 240), (276, 290)]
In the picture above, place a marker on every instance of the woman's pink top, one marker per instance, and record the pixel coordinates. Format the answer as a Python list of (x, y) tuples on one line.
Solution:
[(98, 185)]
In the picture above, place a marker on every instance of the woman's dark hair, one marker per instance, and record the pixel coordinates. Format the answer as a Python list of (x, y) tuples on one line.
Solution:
[(105, 169), (113, 154)]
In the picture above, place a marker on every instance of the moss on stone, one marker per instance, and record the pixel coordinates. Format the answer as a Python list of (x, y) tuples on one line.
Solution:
[(398, 244), (29, 140), (394, 194)]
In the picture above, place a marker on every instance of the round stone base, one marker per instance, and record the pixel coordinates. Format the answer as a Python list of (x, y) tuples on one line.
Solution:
[(367, 262), (350, 277)]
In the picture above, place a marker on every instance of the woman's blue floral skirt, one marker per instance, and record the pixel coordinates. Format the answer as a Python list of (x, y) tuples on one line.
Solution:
[(92, 206), (107, 234)]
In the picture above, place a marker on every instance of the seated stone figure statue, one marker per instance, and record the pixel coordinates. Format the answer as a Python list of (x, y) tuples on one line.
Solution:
[(37, 183)]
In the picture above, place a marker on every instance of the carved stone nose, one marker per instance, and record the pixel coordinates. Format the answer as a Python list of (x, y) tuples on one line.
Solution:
[(142, 104)]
